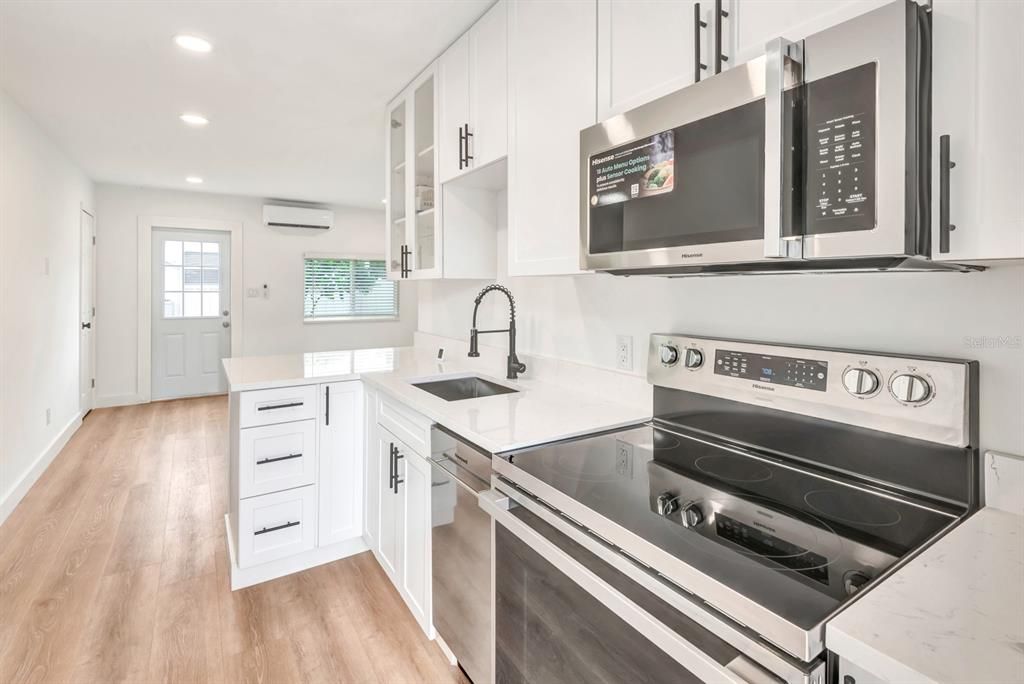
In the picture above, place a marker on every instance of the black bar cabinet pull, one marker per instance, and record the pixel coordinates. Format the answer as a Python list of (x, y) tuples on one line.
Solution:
[(391, 465), (279, 406), (719, 56), (462, 142), (469, 135), (396, 480), (945, 164), (697, 26), (327, 405), (277, 527), (278, 458)]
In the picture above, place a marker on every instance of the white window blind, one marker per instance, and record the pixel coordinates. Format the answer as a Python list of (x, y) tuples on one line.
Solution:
[(348, 288)]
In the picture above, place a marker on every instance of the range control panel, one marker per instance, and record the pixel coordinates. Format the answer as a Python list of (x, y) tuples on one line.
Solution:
[(776, 370), (919, 397)]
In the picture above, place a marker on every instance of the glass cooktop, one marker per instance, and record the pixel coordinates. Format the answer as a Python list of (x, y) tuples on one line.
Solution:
[(797, 542)]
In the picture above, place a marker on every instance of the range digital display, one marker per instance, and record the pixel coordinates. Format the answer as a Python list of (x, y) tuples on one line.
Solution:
[(776, 370)]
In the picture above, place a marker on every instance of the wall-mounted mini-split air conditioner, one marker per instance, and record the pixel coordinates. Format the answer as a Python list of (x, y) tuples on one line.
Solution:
[(297, 217)]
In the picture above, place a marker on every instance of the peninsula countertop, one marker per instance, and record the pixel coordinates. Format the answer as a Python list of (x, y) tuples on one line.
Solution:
[(539, 412), (953, 614)]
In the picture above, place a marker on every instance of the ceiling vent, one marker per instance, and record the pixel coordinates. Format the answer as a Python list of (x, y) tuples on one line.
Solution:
[(297, 217)]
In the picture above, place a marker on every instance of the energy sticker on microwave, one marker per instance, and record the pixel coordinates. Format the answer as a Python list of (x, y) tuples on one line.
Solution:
[(642, 168)]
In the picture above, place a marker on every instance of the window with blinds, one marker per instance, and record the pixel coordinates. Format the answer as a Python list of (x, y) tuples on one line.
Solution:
[(348, 288)]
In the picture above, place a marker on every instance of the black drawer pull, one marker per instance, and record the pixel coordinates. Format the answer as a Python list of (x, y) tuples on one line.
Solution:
[(278, 458), (276, 528), (279, 406)]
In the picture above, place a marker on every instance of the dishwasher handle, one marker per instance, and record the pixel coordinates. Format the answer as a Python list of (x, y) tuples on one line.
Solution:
[(464, 479)]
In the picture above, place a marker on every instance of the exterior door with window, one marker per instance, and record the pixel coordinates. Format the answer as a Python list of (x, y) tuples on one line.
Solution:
[(190, 312)]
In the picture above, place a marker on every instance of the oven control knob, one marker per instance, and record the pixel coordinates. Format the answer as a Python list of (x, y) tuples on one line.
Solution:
[(691, 515), (669, 354), (668, 503), (909, 388), (693, 359), (860, 382)]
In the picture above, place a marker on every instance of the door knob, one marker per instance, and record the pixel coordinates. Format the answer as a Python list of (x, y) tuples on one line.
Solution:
[(224, 312), (86, 325), (226, 324)]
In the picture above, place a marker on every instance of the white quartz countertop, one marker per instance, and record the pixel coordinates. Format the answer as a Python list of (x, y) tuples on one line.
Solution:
[(953, 614), (541, 411)]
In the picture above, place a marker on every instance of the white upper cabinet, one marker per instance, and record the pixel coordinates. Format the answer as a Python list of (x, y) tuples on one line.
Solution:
[(453, 107), (488, 69), (414, 242), (645, 49), (473, 75), (978, 101), (552, 95)]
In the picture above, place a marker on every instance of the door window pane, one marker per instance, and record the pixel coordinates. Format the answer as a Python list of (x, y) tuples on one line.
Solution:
[(211, 303), (172, 252), (193, 254), (193, 304), (193, 279), (172, 278), (172, 305), (211, 255), (211, 279)]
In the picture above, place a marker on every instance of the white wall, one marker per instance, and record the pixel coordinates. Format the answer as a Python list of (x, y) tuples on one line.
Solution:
[(41, 196), (270, 255), (578, 318)]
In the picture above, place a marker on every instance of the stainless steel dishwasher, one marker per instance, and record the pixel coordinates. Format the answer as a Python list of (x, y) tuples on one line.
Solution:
[(461, 551)]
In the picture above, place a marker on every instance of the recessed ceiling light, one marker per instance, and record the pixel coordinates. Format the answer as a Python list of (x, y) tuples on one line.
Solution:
[(193, 43), (194, 119), (193, 179)]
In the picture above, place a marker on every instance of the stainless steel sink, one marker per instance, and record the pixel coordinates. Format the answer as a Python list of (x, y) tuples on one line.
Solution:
[(457, 389)]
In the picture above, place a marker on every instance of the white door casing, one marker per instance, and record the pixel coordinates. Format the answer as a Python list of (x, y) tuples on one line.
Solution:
[(190, 312), (87, 314)]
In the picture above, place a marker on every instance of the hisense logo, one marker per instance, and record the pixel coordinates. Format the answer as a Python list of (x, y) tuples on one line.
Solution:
[(764, 387), (691, 255)]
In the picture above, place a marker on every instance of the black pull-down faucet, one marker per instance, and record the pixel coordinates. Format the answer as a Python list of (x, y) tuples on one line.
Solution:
[(514, 366)]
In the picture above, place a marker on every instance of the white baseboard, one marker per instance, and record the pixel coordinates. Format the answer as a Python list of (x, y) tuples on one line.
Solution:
[(19, 489), (246, 577), (118, 400)]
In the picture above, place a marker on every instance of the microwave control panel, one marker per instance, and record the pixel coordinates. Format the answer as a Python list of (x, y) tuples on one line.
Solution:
[(840, 170), (775, 370)]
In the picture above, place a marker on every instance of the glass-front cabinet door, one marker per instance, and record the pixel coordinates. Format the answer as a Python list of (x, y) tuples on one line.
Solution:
[(414, 234), (396, 190)]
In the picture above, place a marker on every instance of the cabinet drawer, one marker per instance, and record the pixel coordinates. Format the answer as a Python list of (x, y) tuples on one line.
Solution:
[(277, 405), (276, 457), (276, 525), (405, 424)]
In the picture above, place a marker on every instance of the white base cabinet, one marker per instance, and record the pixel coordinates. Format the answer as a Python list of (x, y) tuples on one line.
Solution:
[(401, 521), (295, 479)]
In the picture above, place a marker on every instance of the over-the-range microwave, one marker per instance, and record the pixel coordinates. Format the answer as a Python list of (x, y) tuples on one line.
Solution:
[(814, 157)]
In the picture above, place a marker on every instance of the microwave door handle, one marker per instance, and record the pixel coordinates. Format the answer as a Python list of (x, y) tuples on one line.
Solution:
[(783, 61)]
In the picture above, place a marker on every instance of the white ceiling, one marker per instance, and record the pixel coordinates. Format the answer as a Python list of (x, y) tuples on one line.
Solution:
[(295, 91)]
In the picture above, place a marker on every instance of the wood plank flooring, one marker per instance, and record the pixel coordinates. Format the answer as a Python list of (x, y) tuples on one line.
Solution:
[(114, 568)]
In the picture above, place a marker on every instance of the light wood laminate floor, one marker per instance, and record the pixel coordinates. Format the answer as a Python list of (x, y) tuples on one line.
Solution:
[(114, 569)]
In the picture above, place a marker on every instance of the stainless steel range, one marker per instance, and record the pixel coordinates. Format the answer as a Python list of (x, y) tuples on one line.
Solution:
[(773, 486)]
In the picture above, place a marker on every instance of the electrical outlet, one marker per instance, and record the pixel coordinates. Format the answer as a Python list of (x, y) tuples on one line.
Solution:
[(624, 459), (47, 416), (624, 352)]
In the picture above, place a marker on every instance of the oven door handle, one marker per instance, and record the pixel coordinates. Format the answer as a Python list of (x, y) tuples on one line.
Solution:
[(671, 642), (783, 69)]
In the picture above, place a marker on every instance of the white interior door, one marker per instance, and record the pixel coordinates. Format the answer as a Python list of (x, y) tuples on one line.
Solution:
[(87, 314), (191, 317)]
